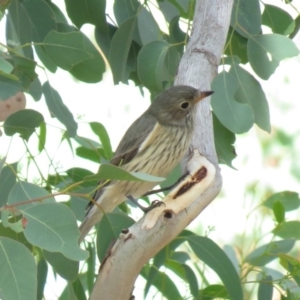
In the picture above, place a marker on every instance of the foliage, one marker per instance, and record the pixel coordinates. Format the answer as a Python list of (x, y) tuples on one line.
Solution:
[(35, 229)]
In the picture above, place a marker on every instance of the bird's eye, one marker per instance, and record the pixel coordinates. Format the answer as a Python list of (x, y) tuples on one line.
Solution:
[(185, 105)]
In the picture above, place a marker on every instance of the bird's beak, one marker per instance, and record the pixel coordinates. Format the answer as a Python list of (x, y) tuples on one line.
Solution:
[(202, 95)]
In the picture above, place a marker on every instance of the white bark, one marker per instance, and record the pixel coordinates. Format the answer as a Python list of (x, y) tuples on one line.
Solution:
[(155, 230)]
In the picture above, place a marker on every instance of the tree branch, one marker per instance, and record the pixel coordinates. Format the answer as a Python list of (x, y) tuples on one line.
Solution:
[(155, 230)]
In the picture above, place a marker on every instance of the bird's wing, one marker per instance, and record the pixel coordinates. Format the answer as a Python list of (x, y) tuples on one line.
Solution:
[(133, 138), (129, 145)]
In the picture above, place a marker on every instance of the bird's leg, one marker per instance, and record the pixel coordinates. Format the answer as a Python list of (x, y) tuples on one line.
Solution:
[(167, 188), (154, 204)]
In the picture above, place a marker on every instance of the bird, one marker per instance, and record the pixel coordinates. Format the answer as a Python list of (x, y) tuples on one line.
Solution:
[(154, 144)]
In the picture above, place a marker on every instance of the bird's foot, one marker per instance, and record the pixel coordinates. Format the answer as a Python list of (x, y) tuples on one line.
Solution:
[(168, 187), (154, 204)]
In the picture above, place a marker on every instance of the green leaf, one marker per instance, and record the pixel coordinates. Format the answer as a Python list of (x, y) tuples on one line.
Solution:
[(79, 174), (109, 229), (89, 70), (214, 291), (24, 191), (151, 65), (289, 200), (107, 171), (66, 49), (66, 268), (40, 17), (104, 37), (224, 140), (246, 17), (250, 92), (73, 291), (212, 255), (185, 7), (45, 59), (277, 46), (7, 181), (58, 109), (16, 236), (266, 253), (119, 50), (86, 142), (78, 204), (265, 289), (165, 285), (92, 155), (169, 10), (147, 26), (272, 14), (18, 29), (288, 230), (101, 132), (237, 117), (236, 45), (19, 272), (24, 122), (42, 137), (42, 272), (58, 14), (5, 66), (292, 265), (35, 89), (8, 87), (82, 12), (24, 69), (186, 273), (124, 10), (53, 227), (279, 212)]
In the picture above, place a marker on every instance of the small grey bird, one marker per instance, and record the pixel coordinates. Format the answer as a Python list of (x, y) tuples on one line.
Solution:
[(154, 144)]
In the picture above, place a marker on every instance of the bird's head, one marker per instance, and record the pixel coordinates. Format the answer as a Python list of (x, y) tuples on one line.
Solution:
[(176, 105)]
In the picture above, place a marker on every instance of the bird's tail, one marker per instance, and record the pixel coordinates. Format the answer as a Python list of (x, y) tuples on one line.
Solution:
[(87, 224)]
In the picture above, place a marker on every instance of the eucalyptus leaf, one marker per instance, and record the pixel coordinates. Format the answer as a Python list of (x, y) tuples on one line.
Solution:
[(272, 14), (288, 230), (237, 117), (214, 257), (290, 200), (23, 122), (250, 92), (151, 65), (261, 47), (92, 12), (119, 50), (19, 272), (266, 253), (246, 17), (8, 86), (109, 229), (66, 268), (18, 29), (66, 49), (58, 109), (147, 26), (24, 191), (111, 172), (53, 227), (224, 140)]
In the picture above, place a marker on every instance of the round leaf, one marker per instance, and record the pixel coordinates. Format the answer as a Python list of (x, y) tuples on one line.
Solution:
[(237, 117), (262, 46), (23, 122), (18, 280), (53, 227)]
